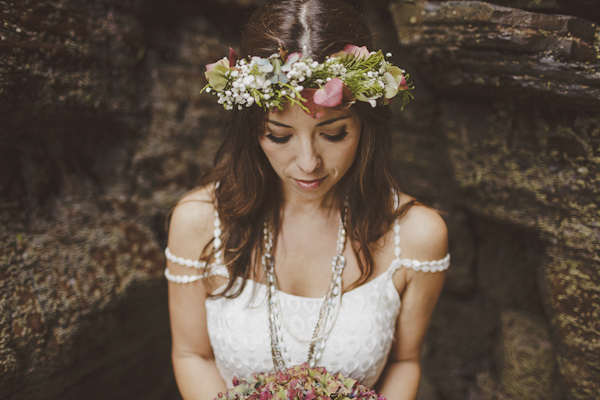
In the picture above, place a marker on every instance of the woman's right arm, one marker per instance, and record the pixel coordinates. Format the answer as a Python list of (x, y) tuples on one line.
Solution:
[(190, 230)]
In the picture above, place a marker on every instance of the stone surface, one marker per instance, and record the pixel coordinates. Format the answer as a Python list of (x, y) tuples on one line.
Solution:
[(527, 358), (186, 127), (477, 48), (588, 9), (75, 265), (463, 340), (86, 190), (70, 88), (243, 3), (571, 285), (61, 56), (517, 172), (508, 261), (460, 344), (83, 301), (523, 148), (461, 279)]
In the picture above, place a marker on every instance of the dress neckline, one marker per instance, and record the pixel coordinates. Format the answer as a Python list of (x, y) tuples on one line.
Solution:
[(305, 298)]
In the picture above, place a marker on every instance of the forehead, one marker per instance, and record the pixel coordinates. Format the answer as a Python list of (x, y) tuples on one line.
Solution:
[(295, 117)]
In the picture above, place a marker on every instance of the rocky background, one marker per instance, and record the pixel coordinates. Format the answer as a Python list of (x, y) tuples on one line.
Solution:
[(102, 129)]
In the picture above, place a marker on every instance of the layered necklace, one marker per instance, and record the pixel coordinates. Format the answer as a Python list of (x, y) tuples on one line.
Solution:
[(329, 308)]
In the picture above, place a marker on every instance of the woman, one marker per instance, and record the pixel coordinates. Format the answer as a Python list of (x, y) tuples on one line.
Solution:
[(294, 190)]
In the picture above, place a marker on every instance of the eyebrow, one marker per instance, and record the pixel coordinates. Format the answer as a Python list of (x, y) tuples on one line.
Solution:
[(329, 121)]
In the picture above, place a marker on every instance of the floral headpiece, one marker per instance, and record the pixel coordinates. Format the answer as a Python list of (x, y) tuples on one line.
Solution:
[(345, 77)]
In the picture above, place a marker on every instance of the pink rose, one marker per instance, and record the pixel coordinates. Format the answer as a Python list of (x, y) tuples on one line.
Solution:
[(334, 93), (356, 51)]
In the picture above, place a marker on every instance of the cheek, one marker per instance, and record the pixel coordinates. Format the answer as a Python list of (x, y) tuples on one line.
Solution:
[(272, 151), (262, 140), (268, 147), (347, 157), (348, 160), (342, 160)]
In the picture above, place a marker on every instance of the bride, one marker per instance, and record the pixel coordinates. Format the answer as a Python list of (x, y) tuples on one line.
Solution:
[(299, 246)]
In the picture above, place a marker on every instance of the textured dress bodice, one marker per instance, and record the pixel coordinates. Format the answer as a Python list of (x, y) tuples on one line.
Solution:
[(358, 345)]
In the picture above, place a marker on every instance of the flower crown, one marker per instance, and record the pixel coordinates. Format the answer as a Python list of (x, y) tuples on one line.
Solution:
[(345, 77)]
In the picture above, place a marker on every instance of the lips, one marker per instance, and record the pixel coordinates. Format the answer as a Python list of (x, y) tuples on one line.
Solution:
[(309, 185)]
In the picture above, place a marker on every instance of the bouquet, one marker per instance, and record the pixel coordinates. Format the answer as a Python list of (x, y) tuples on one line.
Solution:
[(298, 383)]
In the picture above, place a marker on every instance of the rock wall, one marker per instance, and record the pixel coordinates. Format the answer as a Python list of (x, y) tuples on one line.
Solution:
[(103, 129), (83, 311), (516, 95)]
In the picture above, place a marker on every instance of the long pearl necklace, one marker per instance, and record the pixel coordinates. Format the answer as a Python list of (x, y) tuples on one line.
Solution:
[(329, 308)]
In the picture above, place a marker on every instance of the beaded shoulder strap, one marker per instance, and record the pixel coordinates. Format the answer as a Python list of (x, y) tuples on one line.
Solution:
[(424, 266), (216, 268)]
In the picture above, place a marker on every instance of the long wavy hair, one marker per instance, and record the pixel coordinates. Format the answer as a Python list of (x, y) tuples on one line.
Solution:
[(250, 192)]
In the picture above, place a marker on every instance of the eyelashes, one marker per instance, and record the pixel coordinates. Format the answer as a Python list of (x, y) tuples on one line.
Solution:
[(336, 138), (278, 139), (284, 139)]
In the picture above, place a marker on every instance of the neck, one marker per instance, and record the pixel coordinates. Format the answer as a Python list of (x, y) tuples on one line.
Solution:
[(296, 204)]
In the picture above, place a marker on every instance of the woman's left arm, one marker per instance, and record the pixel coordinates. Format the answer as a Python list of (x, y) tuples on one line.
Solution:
[(428, 240)]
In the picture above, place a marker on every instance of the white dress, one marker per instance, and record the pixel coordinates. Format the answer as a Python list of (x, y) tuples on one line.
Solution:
[(357, 346)]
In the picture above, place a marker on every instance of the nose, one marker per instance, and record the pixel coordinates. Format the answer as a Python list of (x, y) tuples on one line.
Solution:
[(308, 158)]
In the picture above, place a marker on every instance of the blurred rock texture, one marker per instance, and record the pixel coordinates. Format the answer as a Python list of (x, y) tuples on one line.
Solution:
[(103, 128), (516, 100)]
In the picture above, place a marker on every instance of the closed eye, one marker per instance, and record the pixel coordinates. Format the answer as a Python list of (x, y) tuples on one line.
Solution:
[(278, 139), (336, 138)]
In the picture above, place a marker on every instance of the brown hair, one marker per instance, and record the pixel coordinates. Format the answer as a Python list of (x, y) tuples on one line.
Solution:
[(249, 192)]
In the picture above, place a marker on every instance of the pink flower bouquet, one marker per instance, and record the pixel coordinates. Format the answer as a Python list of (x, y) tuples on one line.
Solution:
[(298, 383)]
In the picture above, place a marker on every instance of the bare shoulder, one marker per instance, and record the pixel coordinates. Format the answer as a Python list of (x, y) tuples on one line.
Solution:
[(191, 225), (423, 233), (423, 237)]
